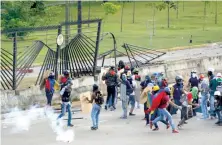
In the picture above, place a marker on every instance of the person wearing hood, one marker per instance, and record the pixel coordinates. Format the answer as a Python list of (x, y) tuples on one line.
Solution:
[(218, 106), (125, 91), (176, 93), (132, 95), (193, 81), (49, 87), (194, 92), (204, 89), (111, 80), (212, 87)]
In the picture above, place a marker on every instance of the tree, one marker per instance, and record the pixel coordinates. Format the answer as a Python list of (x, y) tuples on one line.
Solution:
[(167, 4), (177, 7), (121, 26), (22, 14), (109, 8), (134, 5), (216, 12), (205, 13)]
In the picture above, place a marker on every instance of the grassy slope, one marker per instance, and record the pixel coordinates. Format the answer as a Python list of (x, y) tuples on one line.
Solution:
[(190, 22)]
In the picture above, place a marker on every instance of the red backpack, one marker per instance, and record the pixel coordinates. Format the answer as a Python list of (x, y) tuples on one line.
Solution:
[(47, 85)]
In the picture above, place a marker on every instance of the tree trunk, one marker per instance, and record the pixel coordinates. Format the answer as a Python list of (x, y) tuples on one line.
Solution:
[(134, 11), (121, 28), (89, 12), (153, 19), (67, 27), (177, 8), (79, 16), (216, 12), (168, 15), (205, 12)]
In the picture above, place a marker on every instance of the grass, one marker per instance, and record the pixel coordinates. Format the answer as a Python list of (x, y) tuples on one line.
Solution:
[(190, 22)]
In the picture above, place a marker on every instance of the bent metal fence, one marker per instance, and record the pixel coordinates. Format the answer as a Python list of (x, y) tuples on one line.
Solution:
[(78, 55)]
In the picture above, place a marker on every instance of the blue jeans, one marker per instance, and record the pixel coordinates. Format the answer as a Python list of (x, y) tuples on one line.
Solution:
[(204, 106), (155, 115), (124, 107), (95, 115), (66, 105), (212, 108), (132, 100), (163, 112), (49, 95)]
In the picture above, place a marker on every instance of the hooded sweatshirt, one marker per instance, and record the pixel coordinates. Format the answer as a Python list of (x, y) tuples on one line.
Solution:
[(194, 92), (110, 78)]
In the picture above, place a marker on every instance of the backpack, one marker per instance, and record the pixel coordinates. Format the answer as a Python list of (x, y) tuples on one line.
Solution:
[(99, 98), (47, 85)]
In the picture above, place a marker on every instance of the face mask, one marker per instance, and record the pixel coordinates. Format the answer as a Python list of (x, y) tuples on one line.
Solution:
[(194, 75), (209, 73)]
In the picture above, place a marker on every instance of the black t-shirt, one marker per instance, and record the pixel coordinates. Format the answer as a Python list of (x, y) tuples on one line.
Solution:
[(66, 96)]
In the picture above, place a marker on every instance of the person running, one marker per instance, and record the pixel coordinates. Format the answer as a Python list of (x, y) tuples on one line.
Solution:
[(98, 100), (204, 89), (194, 92), (212, 87), (111, 80), (125, 90), (187, 110), (66, 102), (161, 102), (154, 114), (49, 87)]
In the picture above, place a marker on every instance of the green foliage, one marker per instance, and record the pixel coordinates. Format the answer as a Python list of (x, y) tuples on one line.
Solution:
[(25, 14), (110, 8)]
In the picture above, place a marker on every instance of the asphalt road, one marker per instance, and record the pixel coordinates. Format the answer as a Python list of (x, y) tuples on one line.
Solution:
[(113, 130)]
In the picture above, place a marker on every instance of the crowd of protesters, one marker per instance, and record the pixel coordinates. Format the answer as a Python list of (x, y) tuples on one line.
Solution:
[(202, 94)]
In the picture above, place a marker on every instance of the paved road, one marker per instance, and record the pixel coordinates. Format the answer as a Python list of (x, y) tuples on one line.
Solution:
[(113, 130)]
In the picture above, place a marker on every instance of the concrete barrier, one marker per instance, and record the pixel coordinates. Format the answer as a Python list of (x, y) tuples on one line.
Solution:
[(25, 98)]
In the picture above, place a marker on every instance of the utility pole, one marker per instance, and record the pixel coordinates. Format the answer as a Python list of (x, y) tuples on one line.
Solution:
[(79, 16)]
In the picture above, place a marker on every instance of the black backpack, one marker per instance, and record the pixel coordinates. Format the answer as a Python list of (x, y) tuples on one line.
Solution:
[(99, 98)]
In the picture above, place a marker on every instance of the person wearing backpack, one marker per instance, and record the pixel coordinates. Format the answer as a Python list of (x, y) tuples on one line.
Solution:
[(49, 87), (132, 99), (125, 90), (98, 100)]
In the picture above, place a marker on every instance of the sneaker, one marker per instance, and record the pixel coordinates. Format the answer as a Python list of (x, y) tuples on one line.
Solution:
[(175, 131), (155, 129), (151, 124), (123, 117), (93, 128), (131, 114), (70, 125), (168, 126), (218, 122), (179, 126), (185, 122)]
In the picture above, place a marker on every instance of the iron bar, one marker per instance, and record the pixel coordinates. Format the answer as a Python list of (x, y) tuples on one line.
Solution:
[(14, 61), (97, 49)]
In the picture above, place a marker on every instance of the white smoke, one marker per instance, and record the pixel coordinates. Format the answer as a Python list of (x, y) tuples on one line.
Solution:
[(22, 120)]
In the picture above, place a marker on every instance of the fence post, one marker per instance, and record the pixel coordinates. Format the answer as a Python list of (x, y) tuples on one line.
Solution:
[(57, 53), (97, 48), (14, 61)]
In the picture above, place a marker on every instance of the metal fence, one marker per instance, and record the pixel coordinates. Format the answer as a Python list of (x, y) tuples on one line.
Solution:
[(78, 54)]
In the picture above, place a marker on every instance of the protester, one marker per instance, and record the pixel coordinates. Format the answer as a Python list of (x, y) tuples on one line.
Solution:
[(161, 102), (98, 100), (111, 80), (49, 87), (204, 89), (193, 81), (137, 79), (66, 102), (194, 92), (218, 107), (176, 93), (125, 90), (212, 87), (132, 95)]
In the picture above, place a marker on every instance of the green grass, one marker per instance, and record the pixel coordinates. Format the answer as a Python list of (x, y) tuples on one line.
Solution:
[(190, 22)]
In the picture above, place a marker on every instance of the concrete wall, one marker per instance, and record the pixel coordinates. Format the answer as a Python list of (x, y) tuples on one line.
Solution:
[(24, 98)]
